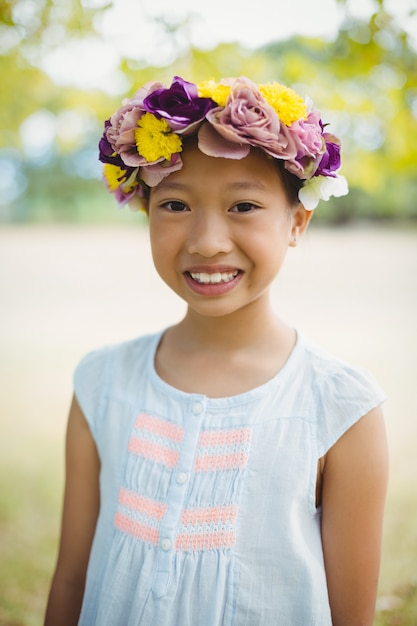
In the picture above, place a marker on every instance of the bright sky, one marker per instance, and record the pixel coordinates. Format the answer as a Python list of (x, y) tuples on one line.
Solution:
[(252, 23), (129, 30)]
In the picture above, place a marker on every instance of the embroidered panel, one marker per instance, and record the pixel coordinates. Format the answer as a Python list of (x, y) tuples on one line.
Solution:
[(207, 528), (139, 516), (198, 528), (156, 439), (223, 450)]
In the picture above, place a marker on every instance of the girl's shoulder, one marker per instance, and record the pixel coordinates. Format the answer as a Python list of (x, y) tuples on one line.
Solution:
[(124, 353), (339, 392), (330, 371), (101, 371), (97, 363)]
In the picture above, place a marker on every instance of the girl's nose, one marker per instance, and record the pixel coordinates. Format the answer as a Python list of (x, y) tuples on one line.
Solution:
[(209, 235)]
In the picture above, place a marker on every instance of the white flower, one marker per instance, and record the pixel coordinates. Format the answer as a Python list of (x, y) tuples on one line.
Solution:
[(321, 188)]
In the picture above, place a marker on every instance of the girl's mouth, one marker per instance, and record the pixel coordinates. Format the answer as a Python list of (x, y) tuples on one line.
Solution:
[(213, 279), (213, 283)]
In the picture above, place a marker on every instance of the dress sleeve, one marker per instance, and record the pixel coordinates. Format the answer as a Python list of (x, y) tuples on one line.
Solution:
[(91, 379), (343, 396)]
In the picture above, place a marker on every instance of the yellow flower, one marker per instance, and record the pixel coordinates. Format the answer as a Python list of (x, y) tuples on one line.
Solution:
[(288, 105), (217, 92), (155, 139), (114, 176)]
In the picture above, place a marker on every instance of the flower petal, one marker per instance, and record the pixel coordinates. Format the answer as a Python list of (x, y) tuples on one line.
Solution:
[(322, 188), (153, 174), (213, 144), (180, 104)]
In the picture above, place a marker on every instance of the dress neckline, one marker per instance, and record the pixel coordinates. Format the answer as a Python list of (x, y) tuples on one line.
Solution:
[(233, 400)]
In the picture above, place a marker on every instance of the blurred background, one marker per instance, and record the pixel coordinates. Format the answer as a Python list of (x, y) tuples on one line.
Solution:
[(76, 272)]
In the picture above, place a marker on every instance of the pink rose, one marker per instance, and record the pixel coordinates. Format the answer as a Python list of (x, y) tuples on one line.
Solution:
[(248, 120), (153, 174), (310, 146), (123, 123)]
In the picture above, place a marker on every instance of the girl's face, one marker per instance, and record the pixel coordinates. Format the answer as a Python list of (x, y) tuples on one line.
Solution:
[(220, 229)]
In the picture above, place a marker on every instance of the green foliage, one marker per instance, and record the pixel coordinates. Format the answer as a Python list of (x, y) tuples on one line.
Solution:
[(365, 82)]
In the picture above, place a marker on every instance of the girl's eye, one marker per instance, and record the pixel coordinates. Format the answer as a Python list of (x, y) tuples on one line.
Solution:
[(175, 206), (244, 207)]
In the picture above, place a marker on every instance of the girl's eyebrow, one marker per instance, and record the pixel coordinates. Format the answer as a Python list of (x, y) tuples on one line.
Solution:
[(244, 185), (166, 185)]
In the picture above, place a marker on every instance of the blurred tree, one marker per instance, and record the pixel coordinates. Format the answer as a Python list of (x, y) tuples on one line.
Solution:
[(29, 31), (367, 80)]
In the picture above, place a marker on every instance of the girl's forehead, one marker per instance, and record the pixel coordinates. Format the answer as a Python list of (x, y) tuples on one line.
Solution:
[(252, 176), (255, 166)]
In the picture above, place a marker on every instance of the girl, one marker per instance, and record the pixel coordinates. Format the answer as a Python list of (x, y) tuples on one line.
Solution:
[(224, 471)]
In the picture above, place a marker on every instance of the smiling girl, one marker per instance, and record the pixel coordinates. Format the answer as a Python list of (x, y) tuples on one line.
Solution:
[(223, 471)]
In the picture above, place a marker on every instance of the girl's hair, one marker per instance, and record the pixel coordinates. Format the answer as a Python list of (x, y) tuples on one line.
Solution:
[(291, 183), (143, 140)]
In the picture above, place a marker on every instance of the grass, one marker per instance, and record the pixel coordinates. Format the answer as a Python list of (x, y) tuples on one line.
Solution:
[(29, 521), (397, 602), (401, 609)]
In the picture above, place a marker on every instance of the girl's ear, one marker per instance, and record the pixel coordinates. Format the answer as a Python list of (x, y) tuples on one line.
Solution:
[(300, 220)]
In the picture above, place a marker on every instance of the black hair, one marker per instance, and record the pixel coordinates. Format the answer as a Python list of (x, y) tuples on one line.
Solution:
[(292, 184)]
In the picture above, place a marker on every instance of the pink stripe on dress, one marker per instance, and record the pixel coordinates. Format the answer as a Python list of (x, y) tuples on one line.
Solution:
[(156, 439), (141, 504), (206, 541), (139, 516), (136, 529), (153, 451), (223, 450), (159, 427), (207, 528)]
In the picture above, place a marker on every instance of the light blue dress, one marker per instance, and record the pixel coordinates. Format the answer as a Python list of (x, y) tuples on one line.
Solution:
[(208, 513)]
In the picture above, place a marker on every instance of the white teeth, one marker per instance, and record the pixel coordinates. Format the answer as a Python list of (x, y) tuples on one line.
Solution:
[(212, 279)]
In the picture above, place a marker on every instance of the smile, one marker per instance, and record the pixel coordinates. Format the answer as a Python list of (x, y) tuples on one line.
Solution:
[(213, 279)]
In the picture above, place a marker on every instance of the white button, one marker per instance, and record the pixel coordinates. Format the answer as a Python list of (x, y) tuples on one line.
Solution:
[(166, 544), (197, 408), (181, 478)]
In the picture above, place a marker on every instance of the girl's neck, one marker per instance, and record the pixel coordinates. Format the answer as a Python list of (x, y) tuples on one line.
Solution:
[(238, 331), (224, 356)]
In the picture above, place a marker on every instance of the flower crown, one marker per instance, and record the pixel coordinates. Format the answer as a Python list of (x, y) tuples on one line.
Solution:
[(143, 140)]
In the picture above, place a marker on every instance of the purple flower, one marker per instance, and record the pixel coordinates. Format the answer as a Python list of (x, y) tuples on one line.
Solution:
[(248, 120), (106, 151), (123, 198), (179, 105), (330, 161)]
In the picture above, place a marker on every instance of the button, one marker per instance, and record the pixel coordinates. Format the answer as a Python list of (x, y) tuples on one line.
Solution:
[(197, 408), (166, 544), (181, 478)]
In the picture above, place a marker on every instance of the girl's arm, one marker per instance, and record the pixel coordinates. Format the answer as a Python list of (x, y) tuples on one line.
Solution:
[(81, 505), (353, 498)]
